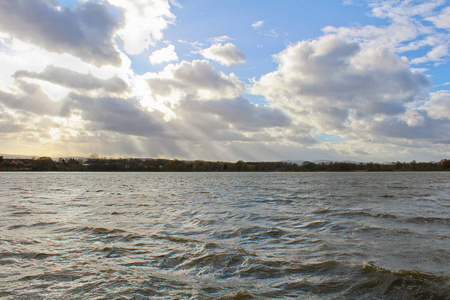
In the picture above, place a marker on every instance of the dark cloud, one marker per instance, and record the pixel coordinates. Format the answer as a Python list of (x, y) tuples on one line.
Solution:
[(8, 123), (76, 80), (31, 98), (429, 129), (126, 116), (85, 31), (240, 113)]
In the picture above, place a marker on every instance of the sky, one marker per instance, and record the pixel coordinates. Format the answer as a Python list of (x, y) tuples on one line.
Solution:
[(253, 80)]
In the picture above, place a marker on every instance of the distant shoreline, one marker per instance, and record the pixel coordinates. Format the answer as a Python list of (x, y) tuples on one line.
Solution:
[(173, 165), (224, 172)]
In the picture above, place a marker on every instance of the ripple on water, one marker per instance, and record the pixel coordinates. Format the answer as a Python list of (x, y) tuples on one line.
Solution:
[(225, 236)]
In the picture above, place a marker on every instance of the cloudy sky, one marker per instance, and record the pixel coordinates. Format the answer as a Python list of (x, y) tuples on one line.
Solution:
[(226, 80)]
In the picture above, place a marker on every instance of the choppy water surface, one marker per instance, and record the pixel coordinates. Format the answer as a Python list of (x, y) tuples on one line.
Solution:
[(225, 235)]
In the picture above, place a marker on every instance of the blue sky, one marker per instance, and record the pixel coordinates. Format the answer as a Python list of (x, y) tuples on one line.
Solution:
[(226, 80)]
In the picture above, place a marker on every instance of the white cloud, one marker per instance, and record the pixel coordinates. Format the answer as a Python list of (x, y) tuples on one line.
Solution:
[(220, 39), (392, 36), (348, 2), (176, 3), (57, 74), (269, 33), (338, 87), (207, 104), (163, 55), (406, 29), (195, 80), (401, 10), (198, 46), (227, 55), (272, 33), (438, 107), (435, 55), (442, 20), (258, 24), (144, 23)]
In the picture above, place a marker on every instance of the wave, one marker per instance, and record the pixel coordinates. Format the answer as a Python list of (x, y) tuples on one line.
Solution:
[(287, 200), (102, 230), (367, 214), (252, 232), (339, 280), (416, 220), (371, 267), (426, 220), (404, 284), (315, 225), (214, 262), (346, 281), (24, 255), (186, 273), (19, 213), (38, 224), (323, 211), (102, 234), (259, 239), (240, 295), (173, 238)]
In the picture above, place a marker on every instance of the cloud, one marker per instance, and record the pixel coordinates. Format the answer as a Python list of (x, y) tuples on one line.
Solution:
[(196, 80), (8, 123), (28, 97), (176, 3), (403, 10), (403, 132), (406, 29), (438, 107), (412, 118), (435, 55), (119, 115), (349, 2), (258, 24), (220, 39), (67, 83), (163, 55), (226, 55), (338, 87), (207, 104), (75, 80), (144, 23), (442, 20), (88, 122), (239, 112), (85, 31)]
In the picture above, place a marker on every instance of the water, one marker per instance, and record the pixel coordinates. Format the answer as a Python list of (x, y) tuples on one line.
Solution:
[(224, 235)]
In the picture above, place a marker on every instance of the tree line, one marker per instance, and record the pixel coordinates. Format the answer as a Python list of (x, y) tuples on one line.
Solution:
[(173, 165)]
